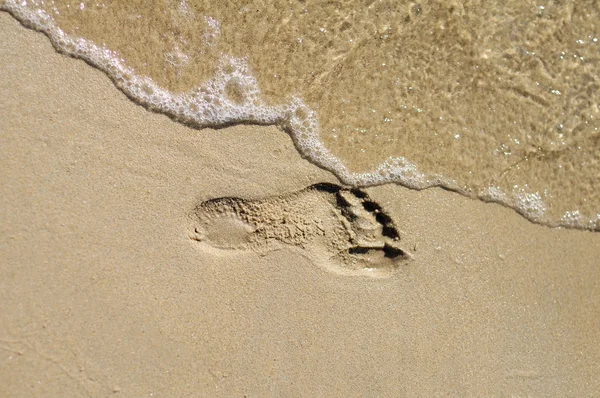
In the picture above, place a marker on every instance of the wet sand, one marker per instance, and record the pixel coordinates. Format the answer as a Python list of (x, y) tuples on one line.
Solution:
[(105, 288)]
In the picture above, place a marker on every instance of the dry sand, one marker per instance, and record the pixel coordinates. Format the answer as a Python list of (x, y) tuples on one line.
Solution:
[(110, 286)]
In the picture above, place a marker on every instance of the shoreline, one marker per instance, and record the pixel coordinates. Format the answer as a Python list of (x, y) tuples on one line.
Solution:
[(294, 117)]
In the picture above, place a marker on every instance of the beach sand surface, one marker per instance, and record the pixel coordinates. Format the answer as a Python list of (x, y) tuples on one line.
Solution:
[(105, 289)]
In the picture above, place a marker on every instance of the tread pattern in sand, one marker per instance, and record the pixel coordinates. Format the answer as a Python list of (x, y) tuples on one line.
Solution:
[(340, 229)]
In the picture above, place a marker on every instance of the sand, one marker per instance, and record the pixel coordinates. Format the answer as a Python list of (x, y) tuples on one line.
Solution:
[(110, 287)]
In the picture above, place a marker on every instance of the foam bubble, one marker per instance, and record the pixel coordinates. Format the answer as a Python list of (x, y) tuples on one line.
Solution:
[(529, 203)]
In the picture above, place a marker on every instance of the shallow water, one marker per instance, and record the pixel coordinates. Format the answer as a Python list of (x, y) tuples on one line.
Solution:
[(496, 101)]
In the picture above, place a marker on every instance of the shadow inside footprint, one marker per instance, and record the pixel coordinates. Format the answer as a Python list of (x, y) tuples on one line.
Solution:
[(340, 229)]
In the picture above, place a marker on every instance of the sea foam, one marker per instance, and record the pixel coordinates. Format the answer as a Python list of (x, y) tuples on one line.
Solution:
[(233, 96)]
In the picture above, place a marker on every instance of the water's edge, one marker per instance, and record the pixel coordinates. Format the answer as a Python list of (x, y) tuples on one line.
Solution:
[(209, 106)]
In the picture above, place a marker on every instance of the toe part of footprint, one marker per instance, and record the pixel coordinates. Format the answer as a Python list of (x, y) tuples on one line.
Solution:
[(342, 230)]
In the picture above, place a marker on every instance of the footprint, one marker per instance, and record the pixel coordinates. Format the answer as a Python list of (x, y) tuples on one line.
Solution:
[(340, 229)]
